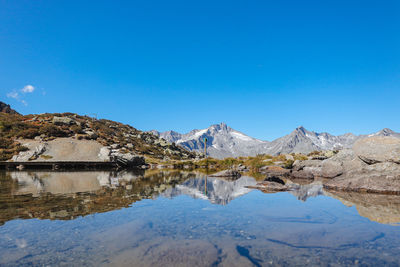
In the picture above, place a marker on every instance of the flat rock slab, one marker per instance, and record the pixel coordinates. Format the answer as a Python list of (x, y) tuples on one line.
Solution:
[(383, 178), (274, 171), (378, 149)]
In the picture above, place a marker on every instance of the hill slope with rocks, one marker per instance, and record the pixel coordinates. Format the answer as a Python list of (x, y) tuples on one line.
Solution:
[(68, 136), (5, 108)]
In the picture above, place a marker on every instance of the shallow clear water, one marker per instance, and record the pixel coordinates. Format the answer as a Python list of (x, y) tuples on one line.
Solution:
[(186, 219)]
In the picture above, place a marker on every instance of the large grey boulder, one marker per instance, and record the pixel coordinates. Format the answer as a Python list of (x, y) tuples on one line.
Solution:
[(128, 159), (340, 163), (301, 164), (378, 149), (274, 171), (306, 169), (63, 120), (377, 178), (331, 168)]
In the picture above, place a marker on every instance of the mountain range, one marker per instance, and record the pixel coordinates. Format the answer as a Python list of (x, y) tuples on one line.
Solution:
[(223, 141)]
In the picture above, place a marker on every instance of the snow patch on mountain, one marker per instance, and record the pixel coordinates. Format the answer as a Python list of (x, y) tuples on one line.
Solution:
[(223, 141)]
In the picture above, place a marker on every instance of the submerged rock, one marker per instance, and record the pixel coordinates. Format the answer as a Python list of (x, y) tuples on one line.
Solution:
[(227, 173), (267, 186)]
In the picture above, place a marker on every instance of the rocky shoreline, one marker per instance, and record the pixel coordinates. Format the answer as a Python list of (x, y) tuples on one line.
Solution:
[(371, 166)]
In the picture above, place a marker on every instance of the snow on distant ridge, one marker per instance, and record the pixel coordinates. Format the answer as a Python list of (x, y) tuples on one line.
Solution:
[(223, 141)]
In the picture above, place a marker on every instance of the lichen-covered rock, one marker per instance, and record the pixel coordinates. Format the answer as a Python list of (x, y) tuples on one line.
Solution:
[(331, 168), (378, 149), (62, 120), (90, 134), (300, 164), (274, 171), (104, 154), (30, 154), (302, 174), (128, 159), (306, 169)]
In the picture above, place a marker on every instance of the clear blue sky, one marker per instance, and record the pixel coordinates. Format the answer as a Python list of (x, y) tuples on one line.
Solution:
[(263, 67)]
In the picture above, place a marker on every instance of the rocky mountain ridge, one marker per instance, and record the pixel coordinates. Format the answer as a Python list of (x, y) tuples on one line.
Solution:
[(223, 141)]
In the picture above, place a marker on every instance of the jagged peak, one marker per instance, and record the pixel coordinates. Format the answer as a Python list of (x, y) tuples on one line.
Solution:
[(386, 130), (5, 108), (300, 130), (172, 132), (221, 125)]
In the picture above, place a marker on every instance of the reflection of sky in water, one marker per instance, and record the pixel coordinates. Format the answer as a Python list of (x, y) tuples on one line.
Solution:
[(255, 229)]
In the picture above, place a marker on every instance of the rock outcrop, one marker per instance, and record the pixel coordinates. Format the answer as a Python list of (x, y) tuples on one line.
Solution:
[(373, 166), (4, 108), (377, 178), (378, 149), (274, 171), (31, 154), (334, 166)]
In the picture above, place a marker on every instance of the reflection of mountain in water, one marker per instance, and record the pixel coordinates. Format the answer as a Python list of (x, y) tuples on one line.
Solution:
[(67, 195), (303, 192), (218, 191)]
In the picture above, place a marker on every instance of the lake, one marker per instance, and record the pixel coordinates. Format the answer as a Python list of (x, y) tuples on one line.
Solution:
[(170, 218)]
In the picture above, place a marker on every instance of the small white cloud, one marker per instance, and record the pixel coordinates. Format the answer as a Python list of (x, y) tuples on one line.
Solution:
[(28, 89), (19, 94), (13, 94)]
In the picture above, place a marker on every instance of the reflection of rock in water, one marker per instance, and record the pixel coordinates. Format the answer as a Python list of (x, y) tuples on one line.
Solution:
[(297, 188), (217, 190), (67, 195), (303, 192), (379, 208), (37, 183)]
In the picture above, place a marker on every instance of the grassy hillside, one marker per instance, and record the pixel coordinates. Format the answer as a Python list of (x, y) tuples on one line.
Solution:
[(51, 126)]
